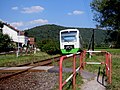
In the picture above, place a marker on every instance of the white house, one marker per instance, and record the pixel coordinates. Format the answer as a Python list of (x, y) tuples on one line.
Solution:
[(16, 35)]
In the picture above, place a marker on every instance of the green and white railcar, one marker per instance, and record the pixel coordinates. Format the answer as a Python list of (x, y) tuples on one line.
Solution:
[(70, 41)]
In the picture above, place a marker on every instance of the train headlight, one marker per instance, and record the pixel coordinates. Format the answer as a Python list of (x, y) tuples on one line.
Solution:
[(68, 47)]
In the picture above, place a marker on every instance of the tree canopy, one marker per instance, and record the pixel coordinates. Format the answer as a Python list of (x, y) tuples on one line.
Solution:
[(5, 42), (107, 13)]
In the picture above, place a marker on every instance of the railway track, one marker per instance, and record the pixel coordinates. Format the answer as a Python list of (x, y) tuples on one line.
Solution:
[(32, 65), (42, 62)]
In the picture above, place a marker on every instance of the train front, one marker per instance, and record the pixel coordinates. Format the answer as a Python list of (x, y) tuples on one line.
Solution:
[(69, 41)]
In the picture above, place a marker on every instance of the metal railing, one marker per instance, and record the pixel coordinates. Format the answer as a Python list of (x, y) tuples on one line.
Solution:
[(73, 75), (107, 63)]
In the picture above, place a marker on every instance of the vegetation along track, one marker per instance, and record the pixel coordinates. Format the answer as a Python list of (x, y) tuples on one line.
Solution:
[(45, 62)]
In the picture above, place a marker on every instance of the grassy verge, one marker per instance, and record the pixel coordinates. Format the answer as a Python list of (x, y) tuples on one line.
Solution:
[(12, 60)]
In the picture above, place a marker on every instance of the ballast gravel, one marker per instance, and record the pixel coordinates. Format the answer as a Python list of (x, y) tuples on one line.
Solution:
[(30, 81)]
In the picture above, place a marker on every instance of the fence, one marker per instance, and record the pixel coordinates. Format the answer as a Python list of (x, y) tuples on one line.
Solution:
[(107, 63), (61, 83)]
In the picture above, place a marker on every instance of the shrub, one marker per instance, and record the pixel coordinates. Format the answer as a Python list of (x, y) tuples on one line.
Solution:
[(49, 46)]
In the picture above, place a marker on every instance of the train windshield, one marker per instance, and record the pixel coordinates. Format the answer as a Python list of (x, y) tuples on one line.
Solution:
[(68, 36)]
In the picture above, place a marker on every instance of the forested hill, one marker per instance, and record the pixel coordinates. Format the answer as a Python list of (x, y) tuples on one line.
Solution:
[(52, 32)]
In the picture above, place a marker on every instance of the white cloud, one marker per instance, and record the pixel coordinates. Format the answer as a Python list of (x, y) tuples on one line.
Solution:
[(69, 13), (14, 8), (76, 12), (17, 24), (29, 24), (39, 21), (33, 9)]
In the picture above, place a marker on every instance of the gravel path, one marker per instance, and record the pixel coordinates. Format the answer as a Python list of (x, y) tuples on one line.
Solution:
[(30, 81)]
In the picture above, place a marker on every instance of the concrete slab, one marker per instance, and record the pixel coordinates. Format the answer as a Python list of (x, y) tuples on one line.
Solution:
[(41, 68), (14, 68), (87, 75), (46, 68), (56, 69), (92, 85), (2, 68)]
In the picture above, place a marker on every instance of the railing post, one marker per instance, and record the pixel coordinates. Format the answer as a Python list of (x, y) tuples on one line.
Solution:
[(110, 71), (109, 67), (74, 72), (84, 55), (106, 63), (60, 72), (81, 61)]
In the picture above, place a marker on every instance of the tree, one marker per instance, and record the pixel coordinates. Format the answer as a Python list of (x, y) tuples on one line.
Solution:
[(1, 26), (114, 38), (5, 42), (107, 13), (49, 46)]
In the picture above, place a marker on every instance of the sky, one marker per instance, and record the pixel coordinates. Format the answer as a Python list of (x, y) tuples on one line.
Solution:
[(26, 14)]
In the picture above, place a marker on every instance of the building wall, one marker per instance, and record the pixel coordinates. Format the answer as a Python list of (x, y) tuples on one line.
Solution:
[(12, 33), (23, 40)]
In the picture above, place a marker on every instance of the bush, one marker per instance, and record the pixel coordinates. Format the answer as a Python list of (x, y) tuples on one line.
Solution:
[(49, 46), (5, 43)]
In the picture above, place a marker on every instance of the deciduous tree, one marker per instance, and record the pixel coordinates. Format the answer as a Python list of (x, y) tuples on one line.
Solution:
[(5, 42), (107, 13)]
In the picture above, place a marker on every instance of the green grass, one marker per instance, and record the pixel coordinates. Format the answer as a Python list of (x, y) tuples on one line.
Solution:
[(115, 69), (95, 58), (12, 60)]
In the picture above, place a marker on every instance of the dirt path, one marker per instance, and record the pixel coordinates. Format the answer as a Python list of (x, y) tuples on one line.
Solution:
[(90, 82)]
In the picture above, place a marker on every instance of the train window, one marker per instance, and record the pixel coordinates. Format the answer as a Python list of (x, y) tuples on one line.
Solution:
[(68, 36)]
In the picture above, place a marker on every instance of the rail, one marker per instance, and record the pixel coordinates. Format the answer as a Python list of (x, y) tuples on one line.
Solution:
[(107, 63), (73, 75)]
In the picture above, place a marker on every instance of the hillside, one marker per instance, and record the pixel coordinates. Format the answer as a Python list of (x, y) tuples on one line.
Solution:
[(52, 32)]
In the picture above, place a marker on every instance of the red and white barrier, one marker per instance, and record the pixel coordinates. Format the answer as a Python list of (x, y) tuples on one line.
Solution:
[(107, 62)]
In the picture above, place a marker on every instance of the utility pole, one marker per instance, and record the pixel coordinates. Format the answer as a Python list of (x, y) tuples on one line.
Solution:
[(91, 44), (93, 41), (17, 54)]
